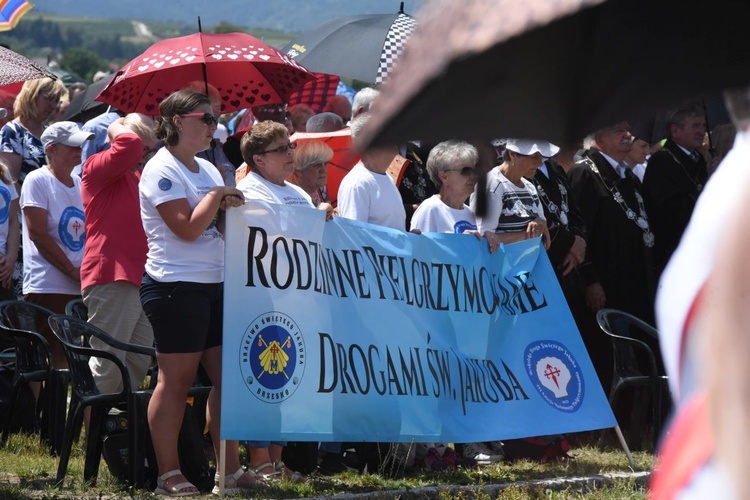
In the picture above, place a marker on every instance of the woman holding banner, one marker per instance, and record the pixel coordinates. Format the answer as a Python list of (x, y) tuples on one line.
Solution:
[(513, 205), (270, 158), (181, 198), (451, 166)]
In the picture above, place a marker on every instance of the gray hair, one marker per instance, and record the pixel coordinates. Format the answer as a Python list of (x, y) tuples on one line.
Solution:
[(363, 99), (356, 126), (324, 122), (446, 155), (738, 105), (679, 115)]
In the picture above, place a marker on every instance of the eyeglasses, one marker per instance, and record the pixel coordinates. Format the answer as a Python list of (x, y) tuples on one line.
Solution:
[(466, 171), (282, 149), (206, 118)]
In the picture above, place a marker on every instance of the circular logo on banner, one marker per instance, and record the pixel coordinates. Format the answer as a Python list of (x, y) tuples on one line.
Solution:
[(272, 357), (5, 200), (165, 184), (555, 374), (71, 229)]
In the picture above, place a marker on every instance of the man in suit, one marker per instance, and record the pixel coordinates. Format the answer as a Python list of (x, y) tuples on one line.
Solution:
[(674, 178), (617, 271)]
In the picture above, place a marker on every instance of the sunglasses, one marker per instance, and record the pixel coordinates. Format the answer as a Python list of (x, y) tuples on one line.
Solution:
[(206, 118), (282, 149), (466, 171)]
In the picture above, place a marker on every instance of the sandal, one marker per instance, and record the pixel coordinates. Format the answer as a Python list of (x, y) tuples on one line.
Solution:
[(287, 473), (231, 482), (266, 476), (183, 489)]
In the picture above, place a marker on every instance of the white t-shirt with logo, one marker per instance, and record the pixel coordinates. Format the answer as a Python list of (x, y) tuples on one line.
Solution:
[(65, 224), (8, 193), (369, 197), (171, 258), (256, 187), (434, 216)]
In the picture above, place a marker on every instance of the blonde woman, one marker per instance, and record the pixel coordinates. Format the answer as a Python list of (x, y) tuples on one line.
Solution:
[(311, 169), (20, 143)]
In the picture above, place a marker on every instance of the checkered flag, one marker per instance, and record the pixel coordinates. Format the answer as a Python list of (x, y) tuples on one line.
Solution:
[(399, 33)]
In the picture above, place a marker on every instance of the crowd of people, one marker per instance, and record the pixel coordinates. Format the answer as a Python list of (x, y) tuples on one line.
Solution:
[(127, 212)]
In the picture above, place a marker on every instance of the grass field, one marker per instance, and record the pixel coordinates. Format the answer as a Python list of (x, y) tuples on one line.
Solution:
[(29, 472)]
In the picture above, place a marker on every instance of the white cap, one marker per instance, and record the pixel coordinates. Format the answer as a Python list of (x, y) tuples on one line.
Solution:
[(66, 133), (529, 147)]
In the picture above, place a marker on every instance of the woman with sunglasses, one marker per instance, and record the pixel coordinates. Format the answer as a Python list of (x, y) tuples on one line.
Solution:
[(513, 204), (115, 253), (182, 289), (451, 166)]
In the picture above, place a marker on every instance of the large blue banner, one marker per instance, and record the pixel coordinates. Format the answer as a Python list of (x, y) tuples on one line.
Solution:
[(345, 331)]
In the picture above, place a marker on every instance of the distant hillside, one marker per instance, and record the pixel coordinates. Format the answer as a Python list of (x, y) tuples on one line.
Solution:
[(282, 15)]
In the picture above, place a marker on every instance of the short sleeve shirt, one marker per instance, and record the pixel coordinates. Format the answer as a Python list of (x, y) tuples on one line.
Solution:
[(434, 216), (369, 197), (8, 193), (66, 226), (170, 258), (16, 139), (255, 187), (509, 207)]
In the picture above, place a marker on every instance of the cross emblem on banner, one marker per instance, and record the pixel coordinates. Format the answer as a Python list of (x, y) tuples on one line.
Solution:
[(552, 373)]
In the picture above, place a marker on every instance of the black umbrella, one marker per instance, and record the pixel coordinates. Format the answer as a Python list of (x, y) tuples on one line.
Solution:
[(84, 105), (363, 47), (556, 70)]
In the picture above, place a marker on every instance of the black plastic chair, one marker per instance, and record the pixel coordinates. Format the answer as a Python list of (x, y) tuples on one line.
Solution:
[(637, 361), (74, 335), (77, 309), (21, 322)]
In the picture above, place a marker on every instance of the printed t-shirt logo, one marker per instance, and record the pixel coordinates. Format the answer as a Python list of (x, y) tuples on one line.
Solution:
[(5, 201), (71, 229), (462, 226), (165, 184)]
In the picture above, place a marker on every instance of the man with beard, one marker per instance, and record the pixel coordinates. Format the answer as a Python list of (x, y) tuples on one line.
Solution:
[(674, 178)]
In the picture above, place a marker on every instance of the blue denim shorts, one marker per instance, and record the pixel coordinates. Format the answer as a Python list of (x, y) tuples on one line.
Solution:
[(186, 316)]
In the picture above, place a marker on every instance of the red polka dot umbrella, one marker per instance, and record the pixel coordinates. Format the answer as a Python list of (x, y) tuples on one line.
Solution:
[(243, 71)]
